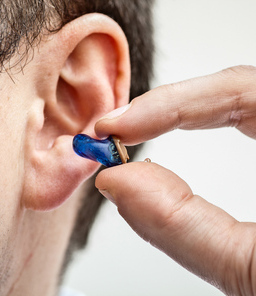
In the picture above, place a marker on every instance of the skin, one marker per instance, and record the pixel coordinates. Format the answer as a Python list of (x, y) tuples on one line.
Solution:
[(159, 205), (55, 96)]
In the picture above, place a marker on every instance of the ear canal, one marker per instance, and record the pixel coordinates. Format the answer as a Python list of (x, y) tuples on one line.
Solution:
[(90, 77)]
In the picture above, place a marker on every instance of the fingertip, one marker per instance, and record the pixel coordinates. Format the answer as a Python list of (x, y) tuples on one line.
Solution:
[(106, 127), (106, 124), (118, 175), (136, 178), (116, 112), (100, 179), (101, 128)]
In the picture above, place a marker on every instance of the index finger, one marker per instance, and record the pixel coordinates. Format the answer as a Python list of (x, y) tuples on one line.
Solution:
[(222, 99)]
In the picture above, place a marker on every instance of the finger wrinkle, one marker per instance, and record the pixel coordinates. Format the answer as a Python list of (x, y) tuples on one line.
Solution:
[(175, 213), (236, 114)]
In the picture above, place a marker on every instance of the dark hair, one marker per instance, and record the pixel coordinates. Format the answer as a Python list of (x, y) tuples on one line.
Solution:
[(22, 22)]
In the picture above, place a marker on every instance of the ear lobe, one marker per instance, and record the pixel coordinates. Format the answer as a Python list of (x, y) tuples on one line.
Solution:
[(90, 77), (54, 175)]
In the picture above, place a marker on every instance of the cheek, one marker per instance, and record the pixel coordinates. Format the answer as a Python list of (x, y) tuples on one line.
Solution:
[(12, 129), (11, 164), (10, 217), (11, 176), (11, 169)]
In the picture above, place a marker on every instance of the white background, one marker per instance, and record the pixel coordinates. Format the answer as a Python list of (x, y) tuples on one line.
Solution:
[(193, 38)]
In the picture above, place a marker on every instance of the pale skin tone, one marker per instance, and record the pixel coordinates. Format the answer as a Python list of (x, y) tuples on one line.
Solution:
[(159, 205), (54, 97)]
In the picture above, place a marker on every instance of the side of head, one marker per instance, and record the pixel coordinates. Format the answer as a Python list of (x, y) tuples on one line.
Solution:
[(64, 65)]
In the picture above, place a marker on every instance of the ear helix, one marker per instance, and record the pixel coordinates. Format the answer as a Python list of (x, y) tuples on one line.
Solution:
[(109, 152)]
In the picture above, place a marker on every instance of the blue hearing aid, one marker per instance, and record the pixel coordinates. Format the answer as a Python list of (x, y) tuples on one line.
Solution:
[(109, 152)]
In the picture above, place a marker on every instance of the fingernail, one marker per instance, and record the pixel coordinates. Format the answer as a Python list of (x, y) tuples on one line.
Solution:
[(108, 196), (117, 112)]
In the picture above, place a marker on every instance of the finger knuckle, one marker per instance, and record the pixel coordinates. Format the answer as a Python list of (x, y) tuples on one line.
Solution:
[(173, 215), (240, 82), (236, 112)]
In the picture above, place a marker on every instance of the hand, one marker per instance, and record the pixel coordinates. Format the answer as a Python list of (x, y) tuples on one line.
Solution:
[(159, 205)]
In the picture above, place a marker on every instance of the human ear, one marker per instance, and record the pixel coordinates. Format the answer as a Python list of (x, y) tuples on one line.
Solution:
[(84, 73)]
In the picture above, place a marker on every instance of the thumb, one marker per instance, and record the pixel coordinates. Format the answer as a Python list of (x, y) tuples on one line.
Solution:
[(162, 209)]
